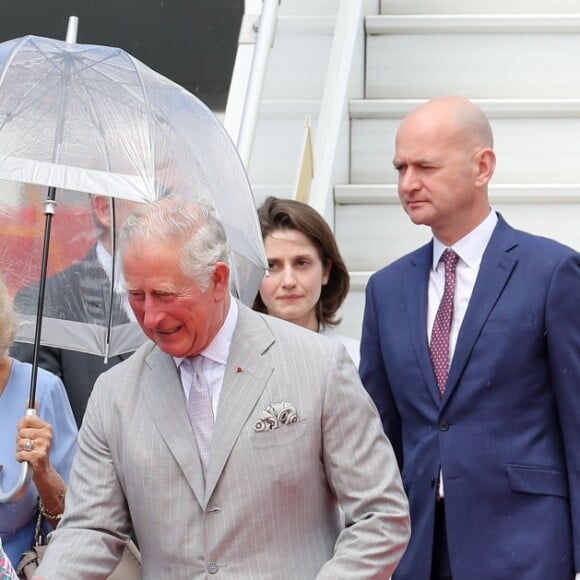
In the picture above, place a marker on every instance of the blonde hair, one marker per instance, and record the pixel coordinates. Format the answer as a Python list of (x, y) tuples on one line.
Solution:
[(8, 322)]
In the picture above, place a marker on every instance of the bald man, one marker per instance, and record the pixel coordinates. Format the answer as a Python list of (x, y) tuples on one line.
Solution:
[(474, 365)]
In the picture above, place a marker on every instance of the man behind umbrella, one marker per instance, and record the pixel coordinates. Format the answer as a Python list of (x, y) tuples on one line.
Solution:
[(255, 493), (81, 294)]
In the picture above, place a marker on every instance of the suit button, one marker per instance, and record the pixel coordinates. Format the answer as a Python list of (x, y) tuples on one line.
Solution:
[(212, 568), (443, 425)]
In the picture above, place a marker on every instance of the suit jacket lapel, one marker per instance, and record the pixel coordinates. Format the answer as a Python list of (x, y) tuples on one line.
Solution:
[(163, 395), (245, 379), (496, 268), (416, 288)]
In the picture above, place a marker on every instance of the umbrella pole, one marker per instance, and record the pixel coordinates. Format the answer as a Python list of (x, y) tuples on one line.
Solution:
[(49, 211), (26, 470)]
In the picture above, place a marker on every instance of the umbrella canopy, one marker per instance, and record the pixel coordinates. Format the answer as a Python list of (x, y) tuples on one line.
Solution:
[(90, 119)]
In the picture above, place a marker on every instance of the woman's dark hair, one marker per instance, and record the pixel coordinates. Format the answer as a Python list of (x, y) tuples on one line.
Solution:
[(288, 214)]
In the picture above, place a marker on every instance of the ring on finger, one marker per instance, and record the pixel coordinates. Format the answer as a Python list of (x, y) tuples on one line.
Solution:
[(28, 445)]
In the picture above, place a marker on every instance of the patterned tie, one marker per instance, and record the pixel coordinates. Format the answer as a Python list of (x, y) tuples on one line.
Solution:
[(200, 409), (439, 346)]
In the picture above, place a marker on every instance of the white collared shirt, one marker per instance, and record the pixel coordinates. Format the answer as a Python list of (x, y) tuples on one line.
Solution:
[(106, 261), (470, 250), (215, 355)]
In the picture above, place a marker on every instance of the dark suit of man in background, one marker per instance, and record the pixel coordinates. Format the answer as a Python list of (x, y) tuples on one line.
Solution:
[(81, 293), (491, 460)]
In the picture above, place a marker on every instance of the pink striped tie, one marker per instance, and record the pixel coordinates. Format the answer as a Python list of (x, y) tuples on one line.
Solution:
[(439, 346)]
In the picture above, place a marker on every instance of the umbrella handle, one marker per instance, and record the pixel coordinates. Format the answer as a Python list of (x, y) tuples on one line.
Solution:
[(18, 490)]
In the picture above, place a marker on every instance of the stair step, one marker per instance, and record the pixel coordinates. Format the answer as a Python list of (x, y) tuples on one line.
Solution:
[(318, 7), (307, 7), (479, 6), (377, 194), (299, 54), (371, 235), (496, 108), (281, 190), (537, 142), (489, 56), (444, 24), (279, 138), (352, 313)]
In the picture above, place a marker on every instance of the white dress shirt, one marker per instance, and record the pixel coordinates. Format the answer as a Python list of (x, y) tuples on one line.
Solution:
[(216, 356), (470, 250), (106, 261)]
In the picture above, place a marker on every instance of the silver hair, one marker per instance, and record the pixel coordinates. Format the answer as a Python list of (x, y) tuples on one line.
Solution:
[(8, 322), (192, 225)]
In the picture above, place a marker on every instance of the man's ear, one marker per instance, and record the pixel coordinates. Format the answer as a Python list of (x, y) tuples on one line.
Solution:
[(485, 164), (221, 280), (102, 209)]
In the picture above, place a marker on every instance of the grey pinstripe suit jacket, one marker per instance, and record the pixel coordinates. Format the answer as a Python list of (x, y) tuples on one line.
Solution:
[(270, 507)]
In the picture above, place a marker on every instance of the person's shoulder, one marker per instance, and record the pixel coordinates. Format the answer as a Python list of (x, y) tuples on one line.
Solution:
[(352, 345), (335, 335), (507, 237), (48, 385), (288, 335), (279, 326), (544, 244), (45, 379), (88, 265), (135, 360), (395, 269)]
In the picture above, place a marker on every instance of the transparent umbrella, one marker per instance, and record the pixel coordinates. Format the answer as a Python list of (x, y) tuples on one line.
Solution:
[(82, 119)]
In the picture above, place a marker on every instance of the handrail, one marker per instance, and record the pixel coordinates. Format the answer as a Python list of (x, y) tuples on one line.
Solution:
[(249, 116), (333, 113), (349, 22)]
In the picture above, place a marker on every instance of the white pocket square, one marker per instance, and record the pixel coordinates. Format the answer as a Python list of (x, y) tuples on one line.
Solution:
[(274, 416)]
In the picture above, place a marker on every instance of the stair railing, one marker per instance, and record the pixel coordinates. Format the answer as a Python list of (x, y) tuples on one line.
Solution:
[(245, 94), (349, 30), (251, 64)]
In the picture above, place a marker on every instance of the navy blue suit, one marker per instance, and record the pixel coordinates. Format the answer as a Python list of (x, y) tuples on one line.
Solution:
[(507, 432)]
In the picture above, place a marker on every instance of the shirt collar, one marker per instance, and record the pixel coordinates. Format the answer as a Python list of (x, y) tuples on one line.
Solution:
[(218, 349), (106, 261), (471, 247)]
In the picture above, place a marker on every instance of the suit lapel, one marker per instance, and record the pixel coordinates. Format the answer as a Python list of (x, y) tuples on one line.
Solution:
[(96, 292), (165, 401), (416, 283), (244, 381), (496, 268)]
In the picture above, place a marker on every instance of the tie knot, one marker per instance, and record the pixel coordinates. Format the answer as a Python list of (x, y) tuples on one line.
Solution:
[(192, 364), (450, 259), (197, 363)]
